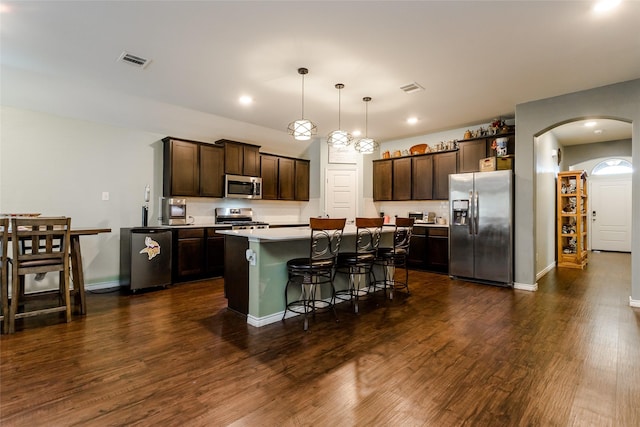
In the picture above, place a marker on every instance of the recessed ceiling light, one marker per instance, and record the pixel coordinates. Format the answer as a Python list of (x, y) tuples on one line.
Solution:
[(606, 5), (412, 120), (590, 124), (245, 100), (356, 133), (597, 131)]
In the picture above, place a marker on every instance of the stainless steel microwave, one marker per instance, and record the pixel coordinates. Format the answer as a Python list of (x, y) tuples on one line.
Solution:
[(242, 187)]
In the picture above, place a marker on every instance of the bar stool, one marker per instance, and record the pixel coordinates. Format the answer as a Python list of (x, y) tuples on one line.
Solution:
[(316, 271), (359, 264), (391, 258), (4, 274), (40, 245)]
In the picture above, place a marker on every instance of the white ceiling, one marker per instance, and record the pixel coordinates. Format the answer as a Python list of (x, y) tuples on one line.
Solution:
[(475, 59)]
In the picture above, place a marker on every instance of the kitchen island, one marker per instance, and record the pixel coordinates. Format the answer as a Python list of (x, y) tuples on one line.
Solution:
[(256, 268)]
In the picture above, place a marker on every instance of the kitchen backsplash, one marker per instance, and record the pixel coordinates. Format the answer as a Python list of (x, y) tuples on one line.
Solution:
[(402, 209)]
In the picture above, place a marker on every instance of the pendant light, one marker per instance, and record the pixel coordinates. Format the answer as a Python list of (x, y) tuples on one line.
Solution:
[(302, 129), (366, 145), (339, 138)]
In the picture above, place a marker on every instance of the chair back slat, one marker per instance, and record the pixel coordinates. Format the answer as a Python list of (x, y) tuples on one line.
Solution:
[(369, 235), (40, 241), (402, 235), (326, 235)]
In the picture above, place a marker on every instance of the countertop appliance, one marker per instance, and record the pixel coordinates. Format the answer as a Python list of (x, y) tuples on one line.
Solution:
[(481, 230), (242, 187), (174, 211), (238, 218), (145, 257)]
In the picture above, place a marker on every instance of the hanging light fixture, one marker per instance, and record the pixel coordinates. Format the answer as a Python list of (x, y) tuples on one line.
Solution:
[(339, 138), (366, 145), (302, 129)]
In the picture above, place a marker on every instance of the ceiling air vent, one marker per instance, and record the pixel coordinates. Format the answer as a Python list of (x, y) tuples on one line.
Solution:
[(133, 60), (411, 88)]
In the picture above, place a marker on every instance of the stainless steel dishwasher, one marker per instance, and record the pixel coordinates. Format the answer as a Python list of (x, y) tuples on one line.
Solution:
[(145, 257)]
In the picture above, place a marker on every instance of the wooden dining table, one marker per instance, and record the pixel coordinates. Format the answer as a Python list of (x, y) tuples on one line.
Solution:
[(77, 271)]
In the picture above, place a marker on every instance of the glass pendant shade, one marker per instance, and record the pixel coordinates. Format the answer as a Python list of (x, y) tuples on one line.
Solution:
[(366, 145), (302, 129), (339, 138)]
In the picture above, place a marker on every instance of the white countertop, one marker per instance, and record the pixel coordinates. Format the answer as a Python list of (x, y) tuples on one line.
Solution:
[(282, 234)]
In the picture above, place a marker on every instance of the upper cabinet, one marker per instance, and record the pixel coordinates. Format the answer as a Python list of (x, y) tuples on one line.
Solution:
[(181, 170), (444, 164), (471, 151), (402, 178), (422, 177), (240, 158), (302, 179), (382, 180), (419, 177), (284, 178), (192, 169)]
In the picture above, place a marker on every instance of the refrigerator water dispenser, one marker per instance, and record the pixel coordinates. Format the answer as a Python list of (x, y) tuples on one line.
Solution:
[(460, 211)]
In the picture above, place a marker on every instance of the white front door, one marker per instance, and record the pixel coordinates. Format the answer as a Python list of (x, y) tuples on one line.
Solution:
[(341, 192), (610, 214)]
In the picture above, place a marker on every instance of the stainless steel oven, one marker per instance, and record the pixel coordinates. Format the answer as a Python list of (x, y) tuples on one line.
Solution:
[(242, 187)]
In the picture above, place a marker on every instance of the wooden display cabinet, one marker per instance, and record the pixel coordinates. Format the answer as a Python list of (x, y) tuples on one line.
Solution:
[(572, 219)]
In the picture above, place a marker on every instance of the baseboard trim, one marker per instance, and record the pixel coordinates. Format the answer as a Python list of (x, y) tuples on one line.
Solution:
[(525, 286), (634, 302), (545, 270), (267, 320), (102, 285)]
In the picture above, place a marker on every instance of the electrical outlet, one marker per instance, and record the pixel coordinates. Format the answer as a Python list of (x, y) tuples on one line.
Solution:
[(105, 195)]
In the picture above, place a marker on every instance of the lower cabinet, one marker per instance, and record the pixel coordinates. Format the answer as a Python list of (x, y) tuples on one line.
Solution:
[(199, 254), (429, 249)]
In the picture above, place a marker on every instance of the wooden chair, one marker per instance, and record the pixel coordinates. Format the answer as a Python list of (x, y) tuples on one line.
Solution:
[(40, 245), (391, 258), (359, 264), (315, 271), (4, 274)]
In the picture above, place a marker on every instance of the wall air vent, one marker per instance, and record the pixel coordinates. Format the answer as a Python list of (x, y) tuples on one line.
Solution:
[(411, 88), (133, 60)]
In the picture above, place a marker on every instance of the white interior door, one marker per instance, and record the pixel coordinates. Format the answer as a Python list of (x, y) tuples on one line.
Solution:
[(341, 192), (610, 213)]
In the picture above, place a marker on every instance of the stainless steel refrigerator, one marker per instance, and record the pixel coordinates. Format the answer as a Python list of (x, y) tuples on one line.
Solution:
[(481, 227)]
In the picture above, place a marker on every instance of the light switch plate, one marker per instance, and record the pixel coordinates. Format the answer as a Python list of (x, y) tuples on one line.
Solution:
[(105, 195)]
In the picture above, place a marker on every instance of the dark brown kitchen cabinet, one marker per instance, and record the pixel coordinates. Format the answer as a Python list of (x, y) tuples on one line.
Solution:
[(240, 158), (189, 262), (382, 180), (181, 169), (286, 178), (402, 179), (437, 246), (302, 180), (417, 248), (269, 174), (444, 164), (422, 178), (470, 153), (214, 253), (429, 249), (211, 171)]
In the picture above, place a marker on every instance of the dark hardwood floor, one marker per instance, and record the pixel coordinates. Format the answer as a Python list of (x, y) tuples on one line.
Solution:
[(453, 353)]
